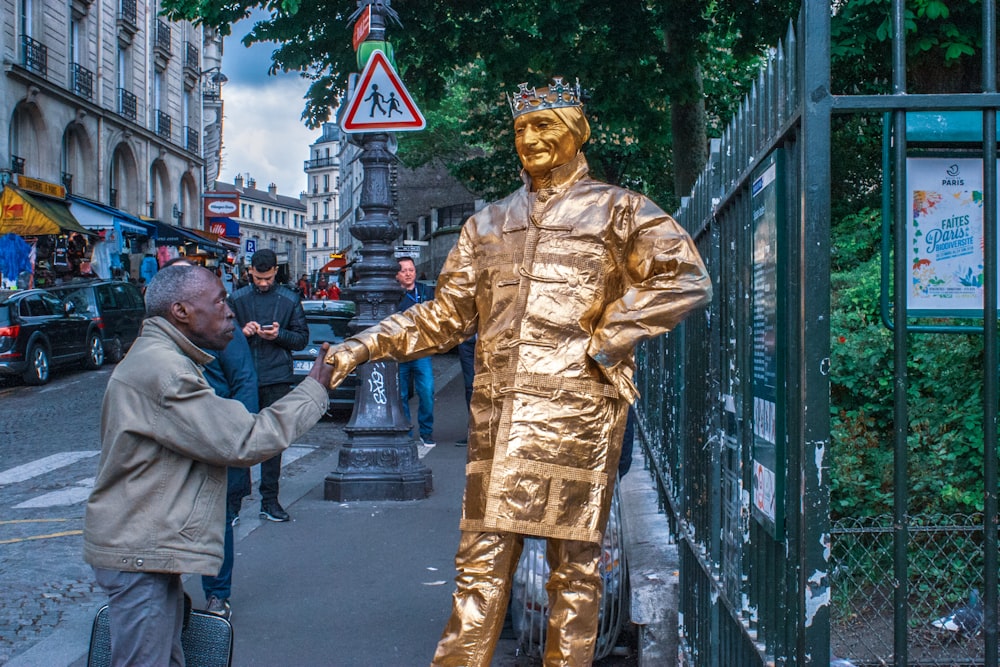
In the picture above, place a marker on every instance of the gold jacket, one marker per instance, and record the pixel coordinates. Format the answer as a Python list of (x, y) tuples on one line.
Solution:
[(560, 286)]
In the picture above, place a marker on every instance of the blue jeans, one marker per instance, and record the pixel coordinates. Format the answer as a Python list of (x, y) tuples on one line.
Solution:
[(423, 384), (221, 585)]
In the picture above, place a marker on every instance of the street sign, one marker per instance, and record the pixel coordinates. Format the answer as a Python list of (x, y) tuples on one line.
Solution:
[(362, 26), (407, 251), (251, 246), (381, 102)]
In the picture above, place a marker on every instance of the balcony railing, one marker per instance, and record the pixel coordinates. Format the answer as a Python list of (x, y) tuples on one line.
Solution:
[(191, 58), (161, 38), (36, 55), (83, 81), (322, 162), (17, 164), (191, 139), (163, 122), (127, 13), (127, 104)]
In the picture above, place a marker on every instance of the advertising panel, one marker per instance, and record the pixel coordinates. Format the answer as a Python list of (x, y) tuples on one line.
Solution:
[(222, 205), (945, 236), (768, 473)]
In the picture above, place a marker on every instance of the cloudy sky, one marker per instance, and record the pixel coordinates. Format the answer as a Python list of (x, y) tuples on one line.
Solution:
[(262, 132)]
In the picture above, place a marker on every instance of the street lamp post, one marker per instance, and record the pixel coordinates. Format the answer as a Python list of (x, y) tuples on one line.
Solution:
[(379, 460)]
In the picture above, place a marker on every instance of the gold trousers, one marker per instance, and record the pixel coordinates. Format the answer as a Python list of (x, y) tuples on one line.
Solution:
[(486, 564)]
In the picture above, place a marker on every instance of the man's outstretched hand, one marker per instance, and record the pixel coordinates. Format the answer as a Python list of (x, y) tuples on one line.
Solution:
[(321, 371)]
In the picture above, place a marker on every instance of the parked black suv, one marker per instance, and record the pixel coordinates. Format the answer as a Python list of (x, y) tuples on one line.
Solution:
[(327, 322), (116, 306), (38, 331)]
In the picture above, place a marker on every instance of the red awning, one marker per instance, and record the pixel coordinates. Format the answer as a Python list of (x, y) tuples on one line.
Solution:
[(334, 265)]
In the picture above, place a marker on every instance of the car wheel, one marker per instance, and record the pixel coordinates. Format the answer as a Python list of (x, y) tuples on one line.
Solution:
[(38, 366), (114, 350), (95, 352)]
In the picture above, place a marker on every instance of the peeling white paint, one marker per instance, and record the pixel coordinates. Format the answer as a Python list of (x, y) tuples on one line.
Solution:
[(819, 449), (817, 596), (824, 366), (824, 540)]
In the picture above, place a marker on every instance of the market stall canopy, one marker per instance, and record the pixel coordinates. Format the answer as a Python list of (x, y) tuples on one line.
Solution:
[(34, 215), (178, 236), (216, 238), (93, 215), (334, 265)]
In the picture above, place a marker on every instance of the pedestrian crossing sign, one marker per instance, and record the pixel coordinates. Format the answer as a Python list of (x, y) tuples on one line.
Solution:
[(381, 102)]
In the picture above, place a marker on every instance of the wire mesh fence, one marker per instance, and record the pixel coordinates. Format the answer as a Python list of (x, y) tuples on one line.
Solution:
[(530, 603), (944, 606)]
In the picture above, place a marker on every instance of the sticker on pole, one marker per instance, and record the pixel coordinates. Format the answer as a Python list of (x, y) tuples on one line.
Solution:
[(381, 102)]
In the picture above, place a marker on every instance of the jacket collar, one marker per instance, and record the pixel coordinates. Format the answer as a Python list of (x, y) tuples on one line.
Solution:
[(159, 327), (564, 175)]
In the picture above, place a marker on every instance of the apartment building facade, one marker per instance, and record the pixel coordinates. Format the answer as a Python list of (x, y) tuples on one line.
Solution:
[(322, 198), (269, 220), (115, 103)]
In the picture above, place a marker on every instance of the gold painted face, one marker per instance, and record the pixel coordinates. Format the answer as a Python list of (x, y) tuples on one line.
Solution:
[(543, 142)]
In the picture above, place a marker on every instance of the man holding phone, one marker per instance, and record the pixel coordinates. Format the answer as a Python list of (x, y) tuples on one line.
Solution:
[(274, 323)]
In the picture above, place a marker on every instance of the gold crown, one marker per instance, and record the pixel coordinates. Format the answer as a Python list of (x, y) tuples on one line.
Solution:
[(557, 95)]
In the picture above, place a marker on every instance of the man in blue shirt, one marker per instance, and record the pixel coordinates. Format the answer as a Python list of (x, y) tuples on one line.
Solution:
[(419, 369)]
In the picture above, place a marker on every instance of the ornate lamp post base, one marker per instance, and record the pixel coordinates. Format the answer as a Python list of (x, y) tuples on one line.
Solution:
[(378, 484), (379, 461)]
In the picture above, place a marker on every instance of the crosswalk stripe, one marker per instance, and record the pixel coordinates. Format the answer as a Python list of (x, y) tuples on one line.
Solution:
[(71, 495), (41, 466), (80, 490)]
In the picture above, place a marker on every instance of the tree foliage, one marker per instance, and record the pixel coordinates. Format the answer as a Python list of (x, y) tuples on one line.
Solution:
[(638, 60)]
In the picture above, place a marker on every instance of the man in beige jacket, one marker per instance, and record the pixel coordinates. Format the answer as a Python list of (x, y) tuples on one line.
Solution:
[(158, 503)]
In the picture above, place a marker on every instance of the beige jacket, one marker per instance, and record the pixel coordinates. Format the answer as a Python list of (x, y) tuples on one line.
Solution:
[(158, 503), (560, 285)]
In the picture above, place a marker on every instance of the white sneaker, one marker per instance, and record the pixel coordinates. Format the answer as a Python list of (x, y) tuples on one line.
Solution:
[(427, 442)]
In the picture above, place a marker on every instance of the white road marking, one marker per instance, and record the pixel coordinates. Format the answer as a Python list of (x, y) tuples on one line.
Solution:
[(71, 495), (80, 490), (41, 466)]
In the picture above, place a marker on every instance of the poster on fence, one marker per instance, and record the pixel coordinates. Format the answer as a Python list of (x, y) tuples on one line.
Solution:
[(945, 236), (768, 476)]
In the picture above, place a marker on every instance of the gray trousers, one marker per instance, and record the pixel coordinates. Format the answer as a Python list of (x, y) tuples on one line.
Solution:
[(146, 614)]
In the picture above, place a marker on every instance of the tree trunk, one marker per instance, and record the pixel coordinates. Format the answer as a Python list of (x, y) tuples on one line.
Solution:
[(690, 149)]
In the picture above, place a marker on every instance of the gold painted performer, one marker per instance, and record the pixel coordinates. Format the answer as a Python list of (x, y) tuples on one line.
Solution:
[(561, 280)]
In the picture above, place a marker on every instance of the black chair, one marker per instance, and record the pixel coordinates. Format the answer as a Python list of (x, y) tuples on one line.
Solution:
[(207, 640)]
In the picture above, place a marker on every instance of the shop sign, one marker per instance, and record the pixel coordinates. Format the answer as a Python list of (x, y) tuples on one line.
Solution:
[(41, 187), (222, 207), (362, 27)]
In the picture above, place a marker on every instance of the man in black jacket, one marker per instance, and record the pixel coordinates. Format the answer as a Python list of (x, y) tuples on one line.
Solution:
[(274, 324)]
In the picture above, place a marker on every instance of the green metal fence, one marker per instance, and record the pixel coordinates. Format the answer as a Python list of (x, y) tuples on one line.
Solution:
[(736, 402)]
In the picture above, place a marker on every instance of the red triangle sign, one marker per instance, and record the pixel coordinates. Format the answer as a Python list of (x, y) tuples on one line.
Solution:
[(381, 101)]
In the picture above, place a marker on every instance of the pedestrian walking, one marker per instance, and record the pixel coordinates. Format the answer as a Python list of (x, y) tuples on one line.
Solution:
[(561, 280), (418, 372)]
